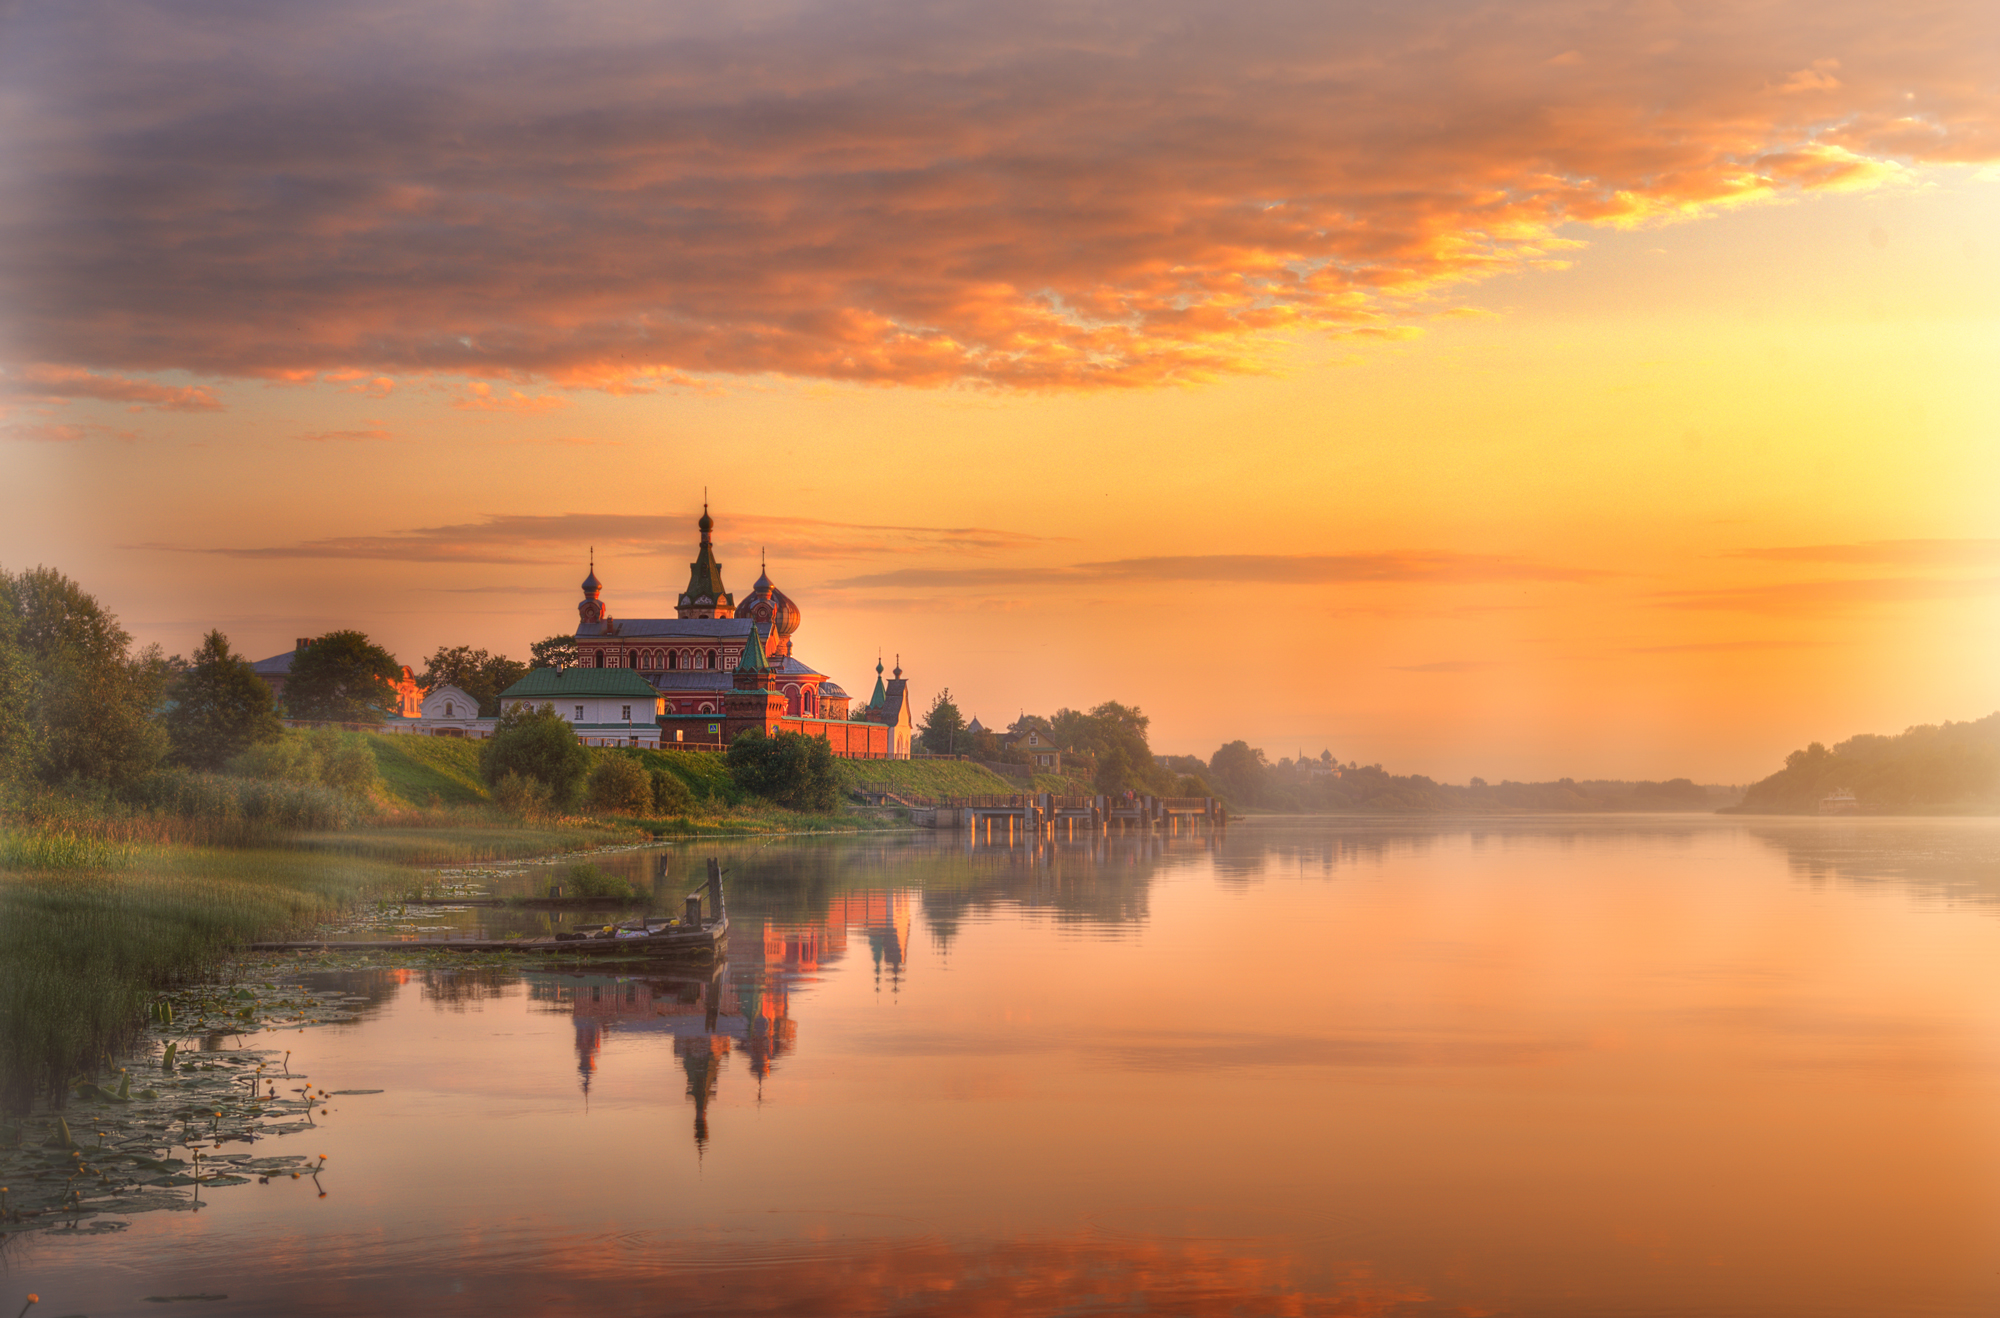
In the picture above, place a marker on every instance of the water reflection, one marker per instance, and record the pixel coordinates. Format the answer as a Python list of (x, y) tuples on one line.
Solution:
[(1942, 861)]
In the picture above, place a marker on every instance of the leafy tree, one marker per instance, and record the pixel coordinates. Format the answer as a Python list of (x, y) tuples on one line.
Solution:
[(619, 785), (480, 675), (791, 769), (18, 734), (1238, 769), (943, 727), (343, 677), (537, 744), (94, 704), (555, 652), (221, 708)]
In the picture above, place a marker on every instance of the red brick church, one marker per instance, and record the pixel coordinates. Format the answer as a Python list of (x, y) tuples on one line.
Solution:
[(720, 668)]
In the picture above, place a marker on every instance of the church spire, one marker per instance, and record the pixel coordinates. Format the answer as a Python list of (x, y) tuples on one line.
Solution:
[(705, 596)]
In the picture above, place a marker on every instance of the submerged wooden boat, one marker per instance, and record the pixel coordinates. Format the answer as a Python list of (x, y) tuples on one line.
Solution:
[(692, 937), (704, 941)]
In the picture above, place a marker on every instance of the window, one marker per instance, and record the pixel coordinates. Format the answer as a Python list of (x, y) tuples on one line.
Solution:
[(448, 711), (600, 658), (680, 734), (579, 715), (711, 658), (627, 714), (673, 660)]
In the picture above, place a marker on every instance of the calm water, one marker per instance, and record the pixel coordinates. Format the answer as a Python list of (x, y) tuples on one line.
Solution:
[(1640, 1066)]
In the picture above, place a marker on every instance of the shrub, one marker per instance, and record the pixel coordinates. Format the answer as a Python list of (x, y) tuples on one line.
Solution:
[(586, 880), (289, 759), (538, 744), (792, 769), (520, 795), (671, 796), (619, 786), (345, 761)]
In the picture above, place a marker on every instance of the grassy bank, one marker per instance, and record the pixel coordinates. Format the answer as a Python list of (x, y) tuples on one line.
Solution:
[(925, 777)]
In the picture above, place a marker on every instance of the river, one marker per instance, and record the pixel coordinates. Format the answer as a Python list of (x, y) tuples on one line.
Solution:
[(1637, 1065)]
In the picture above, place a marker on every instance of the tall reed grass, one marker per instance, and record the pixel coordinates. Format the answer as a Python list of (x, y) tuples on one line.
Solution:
[(82, 951)]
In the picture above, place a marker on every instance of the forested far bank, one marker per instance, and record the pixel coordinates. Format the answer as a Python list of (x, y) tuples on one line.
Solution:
[(1930, 769)]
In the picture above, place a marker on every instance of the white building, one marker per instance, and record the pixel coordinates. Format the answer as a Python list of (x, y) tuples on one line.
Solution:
[(607, 706)]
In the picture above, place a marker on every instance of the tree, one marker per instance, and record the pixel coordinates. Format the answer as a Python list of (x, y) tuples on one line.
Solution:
[(1238, 769), (537, 744), (94, 704), (791, 769), (619, 785), (555, 652), (18, 736), (943, 727), (343, 677), (480, 675), (220, 707)]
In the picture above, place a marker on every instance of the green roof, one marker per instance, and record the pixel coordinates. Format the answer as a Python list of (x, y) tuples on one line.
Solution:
[(551, 683), (753, 655)]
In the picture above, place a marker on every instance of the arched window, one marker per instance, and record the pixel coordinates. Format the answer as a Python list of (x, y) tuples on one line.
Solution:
[(711, 658), (707, 708), (600, 658), (448, 711), (673, 660)]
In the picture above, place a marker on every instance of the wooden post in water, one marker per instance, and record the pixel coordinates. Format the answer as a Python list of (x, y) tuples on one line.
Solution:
[(715, 887), (691, 917)]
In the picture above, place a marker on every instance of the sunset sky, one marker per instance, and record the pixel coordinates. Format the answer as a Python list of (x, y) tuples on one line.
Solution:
[(1524, 390)]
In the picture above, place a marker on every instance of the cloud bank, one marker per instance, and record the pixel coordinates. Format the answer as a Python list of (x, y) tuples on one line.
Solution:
[(1032, 195), (530, 539)]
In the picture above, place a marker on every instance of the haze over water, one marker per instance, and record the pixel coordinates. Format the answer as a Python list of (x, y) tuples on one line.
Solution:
[(1660, 1065)]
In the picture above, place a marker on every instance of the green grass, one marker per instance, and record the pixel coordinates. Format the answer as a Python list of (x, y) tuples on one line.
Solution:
[(416, 769), (925, 777), (705, 772), (1064, 785), (83, 952)]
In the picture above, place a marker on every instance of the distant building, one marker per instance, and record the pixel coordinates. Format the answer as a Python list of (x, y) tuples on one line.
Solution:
[(1042, 752), (606, 706), (719, 667), (446, 711)]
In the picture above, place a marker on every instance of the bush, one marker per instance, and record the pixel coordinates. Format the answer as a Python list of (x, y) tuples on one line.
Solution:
[(791, 769), (538, 744), (324, 757), (345, 761), (587, 880), (671, 796), (521, 795), (619, 786)]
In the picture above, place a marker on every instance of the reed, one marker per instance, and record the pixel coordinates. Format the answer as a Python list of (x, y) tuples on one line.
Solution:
[(83, 951)]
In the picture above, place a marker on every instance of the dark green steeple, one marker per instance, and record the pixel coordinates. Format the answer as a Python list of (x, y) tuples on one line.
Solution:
[(705, 596)]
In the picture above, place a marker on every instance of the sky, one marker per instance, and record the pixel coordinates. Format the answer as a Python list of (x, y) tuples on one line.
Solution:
[(1602, 390)]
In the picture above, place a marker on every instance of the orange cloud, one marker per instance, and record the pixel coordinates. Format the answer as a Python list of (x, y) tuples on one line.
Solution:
[(529, 538), (1281, 569), (62, 384), (1033, 197)]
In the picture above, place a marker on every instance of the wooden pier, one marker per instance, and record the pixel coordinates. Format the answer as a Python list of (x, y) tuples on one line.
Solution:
[(1047, 814)]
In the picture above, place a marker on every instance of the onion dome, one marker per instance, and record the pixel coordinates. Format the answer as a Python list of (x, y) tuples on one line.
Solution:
[(770, 607), (591, 585)]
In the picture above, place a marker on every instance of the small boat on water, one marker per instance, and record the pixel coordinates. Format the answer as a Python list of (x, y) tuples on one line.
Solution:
[(694, 935)]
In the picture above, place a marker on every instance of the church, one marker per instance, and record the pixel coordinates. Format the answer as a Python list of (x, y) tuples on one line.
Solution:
[(719, 667)]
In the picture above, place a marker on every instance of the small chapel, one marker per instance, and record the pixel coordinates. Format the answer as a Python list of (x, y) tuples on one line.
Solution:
[(719, 667)]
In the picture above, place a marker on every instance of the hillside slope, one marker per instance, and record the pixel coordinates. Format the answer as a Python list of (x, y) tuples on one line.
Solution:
[(1954, 767)]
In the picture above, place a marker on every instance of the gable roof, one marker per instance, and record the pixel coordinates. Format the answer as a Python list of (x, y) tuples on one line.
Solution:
[(553, 683), (276, 664)]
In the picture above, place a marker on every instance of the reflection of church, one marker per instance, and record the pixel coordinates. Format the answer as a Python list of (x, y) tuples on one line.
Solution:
[(743, 1006), (721, 668)]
